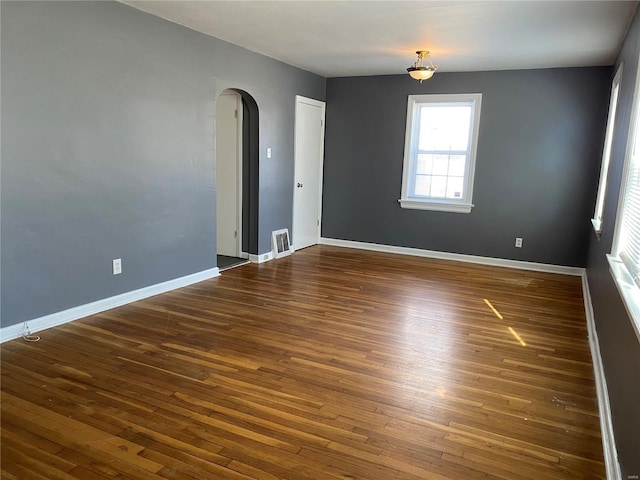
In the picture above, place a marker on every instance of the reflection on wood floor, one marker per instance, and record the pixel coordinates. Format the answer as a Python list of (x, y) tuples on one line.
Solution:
[(332, 363)]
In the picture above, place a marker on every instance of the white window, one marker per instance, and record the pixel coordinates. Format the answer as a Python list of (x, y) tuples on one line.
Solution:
[(625, 256), (606, 153), (440, 152)]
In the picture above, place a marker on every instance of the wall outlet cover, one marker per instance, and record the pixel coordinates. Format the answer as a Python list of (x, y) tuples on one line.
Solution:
[(117, 266)]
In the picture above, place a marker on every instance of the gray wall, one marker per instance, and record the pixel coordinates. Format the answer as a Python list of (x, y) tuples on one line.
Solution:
[(108, 150), (541, 135), (619, 345)]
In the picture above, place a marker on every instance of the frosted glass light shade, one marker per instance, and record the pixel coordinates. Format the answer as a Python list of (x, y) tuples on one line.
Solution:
[(421, 73)]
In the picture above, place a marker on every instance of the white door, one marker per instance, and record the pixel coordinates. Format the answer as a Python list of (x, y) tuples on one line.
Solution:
[(228, 173), (307, 189)]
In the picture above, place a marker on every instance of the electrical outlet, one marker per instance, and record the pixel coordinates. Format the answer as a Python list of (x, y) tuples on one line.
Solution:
[(518, 242), (117, 266)]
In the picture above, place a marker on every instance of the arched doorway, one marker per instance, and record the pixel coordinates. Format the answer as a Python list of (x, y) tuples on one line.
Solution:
[(237, 168)]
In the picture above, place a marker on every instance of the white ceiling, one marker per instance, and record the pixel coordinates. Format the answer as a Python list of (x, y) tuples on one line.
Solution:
[(345, 38)]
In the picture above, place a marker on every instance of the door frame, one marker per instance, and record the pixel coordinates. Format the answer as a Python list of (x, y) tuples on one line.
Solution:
[(239, 161), (323, 106), (238, 164)]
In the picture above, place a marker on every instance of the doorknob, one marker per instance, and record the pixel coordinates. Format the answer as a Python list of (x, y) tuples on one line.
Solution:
[(299, 185)]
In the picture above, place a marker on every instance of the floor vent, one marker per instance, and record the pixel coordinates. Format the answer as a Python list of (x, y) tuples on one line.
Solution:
[(280, 243)]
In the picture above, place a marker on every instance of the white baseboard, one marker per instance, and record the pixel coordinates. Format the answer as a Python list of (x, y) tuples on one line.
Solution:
[(263, 257), (458, 257), (612, 467), (65, 316)]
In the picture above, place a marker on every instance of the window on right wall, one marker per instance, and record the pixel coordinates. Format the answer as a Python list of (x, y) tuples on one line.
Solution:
[(625, 254), (606, 153)]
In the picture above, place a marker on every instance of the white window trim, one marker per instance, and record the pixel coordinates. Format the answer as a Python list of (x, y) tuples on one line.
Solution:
[(445, 205), (598, 213), (629, 290)]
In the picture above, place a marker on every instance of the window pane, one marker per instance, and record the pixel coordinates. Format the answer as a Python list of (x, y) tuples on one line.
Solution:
[(629, 235), (423, 185), (454, 187), (440, 164), (438, 186), (425, 164), (457, 164), (444, 127)]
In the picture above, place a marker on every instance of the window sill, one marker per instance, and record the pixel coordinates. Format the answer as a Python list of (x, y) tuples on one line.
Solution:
[(629, 291), (436, 206)]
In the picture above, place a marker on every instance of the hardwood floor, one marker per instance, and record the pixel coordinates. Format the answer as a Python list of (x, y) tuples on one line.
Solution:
[(329, 364)]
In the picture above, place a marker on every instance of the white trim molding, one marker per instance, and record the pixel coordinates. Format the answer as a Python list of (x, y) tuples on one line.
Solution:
[(436, 206), (612, 467), (263, 257), (628, 290), (458, 257), (53, 320), (266, 257)]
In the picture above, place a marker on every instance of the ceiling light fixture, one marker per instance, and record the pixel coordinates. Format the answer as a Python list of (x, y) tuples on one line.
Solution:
[(419, 70)]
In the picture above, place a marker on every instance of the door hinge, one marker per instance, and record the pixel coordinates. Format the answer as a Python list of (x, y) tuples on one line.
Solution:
[(235, 234)]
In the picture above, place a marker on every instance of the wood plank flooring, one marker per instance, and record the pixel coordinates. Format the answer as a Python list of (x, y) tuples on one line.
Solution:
[(332, 363)]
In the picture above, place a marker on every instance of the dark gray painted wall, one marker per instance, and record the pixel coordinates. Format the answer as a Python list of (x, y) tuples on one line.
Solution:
[(541, 134), (619, 346), (108, 150)]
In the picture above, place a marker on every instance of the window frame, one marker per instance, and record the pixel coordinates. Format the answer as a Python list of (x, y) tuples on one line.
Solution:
[(465, 204), (598, 213), (622, 276)]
